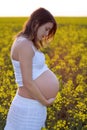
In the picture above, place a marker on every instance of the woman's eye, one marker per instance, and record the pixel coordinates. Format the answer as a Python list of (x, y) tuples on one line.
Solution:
[(47, 29)]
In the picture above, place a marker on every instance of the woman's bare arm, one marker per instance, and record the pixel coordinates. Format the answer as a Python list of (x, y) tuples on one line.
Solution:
[(25, 55)]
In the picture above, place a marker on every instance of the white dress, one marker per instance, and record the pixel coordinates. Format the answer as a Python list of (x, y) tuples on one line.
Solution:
[(25, 114)]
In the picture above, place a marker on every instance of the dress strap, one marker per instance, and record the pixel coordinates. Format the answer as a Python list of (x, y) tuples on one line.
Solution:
[(34, 49)]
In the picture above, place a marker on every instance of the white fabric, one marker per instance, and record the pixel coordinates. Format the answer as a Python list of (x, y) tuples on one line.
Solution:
[(25, 114), (38, 65)]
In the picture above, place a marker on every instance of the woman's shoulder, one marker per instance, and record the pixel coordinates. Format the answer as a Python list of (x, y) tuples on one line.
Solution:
[(23, 39), (23, 42)]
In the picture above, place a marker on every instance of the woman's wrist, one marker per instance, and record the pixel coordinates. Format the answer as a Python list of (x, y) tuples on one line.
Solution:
[(49, 102)]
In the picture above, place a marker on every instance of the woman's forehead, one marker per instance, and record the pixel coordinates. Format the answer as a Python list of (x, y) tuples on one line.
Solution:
[(49, 24)]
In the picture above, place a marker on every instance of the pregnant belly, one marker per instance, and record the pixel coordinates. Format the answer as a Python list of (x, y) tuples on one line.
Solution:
[(48, 84)]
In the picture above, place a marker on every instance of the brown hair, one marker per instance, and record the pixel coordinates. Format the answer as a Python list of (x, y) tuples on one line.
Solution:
[(38, 17)]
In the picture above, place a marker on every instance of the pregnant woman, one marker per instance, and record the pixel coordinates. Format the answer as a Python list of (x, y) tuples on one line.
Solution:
[(37, 84)]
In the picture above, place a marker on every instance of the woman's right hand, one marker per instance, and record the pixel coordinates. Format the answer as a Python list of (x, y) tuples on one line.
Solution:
[(50, 101)]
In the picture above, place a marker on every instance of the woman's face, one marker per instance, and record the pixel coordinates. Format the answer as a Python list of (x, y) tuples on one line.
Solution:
[(44, 30)]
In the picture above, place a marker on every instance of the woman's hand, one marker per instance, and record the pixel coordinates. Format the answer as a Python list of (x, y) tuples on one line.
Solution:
[(50, 101)]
